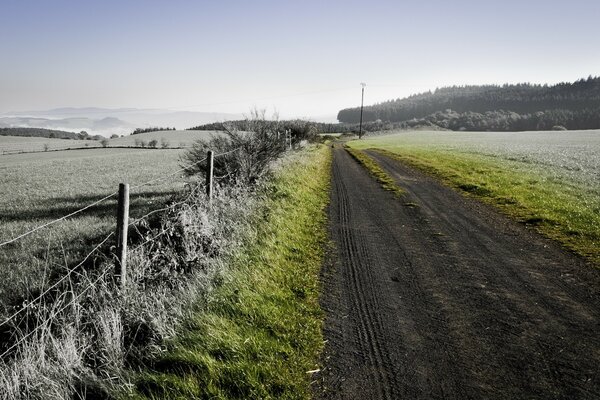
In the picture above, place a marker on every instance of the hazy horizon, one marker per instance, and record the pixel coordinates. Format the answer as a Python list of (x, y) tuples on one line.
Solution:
[(302, 59)]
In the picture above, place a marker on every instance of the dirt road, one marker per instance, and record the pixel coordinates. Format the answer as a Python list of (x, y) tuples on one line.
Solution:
[(435, 296)]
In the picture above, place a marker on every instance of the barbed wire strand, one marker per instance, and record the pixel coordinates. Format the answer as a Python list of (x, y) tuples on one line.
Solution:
[(171, 206), (70, 271), (55, 284), (106, 198), (59, 219), (47, 321)]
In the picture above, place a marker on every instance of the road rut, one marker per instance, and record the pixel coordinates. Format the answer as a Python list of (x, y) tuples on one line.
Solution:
[(434, 295)]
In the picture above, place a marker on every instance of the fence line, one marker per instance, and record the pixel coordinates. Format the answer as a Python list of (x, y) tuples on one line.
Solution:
[(108, 197), (71, 270), (59, 219)]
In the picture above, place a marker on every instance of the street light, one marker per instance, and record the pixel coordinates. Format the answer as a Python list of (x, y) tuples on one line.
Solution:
[(362, 99)]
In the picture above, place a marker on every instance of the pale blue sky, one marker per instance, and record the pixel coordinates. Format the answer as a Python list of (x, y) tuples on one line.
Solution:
[(304, 58)]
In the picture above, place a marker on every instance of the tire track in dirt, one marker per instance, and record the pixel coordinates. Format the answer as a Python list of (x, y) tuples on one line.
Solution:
[(437, 296), (369, 325)]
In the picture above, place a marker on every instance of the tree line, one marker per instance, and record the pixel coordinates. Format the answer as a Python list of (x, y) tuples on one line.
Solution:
[(299, 129), (508, 120), (137, 131), (492, 107), (48, 133)]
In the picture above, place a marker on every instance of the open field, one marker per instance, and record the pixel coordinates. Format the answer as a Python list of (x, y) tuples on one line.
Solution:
[(550, 180), (173, 138), (40, 187), (17, 144)]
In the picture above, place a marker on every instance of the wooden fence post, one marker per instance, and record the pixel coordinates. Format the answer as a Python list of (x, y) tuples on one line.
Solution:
[(122, 225), (210, 158)]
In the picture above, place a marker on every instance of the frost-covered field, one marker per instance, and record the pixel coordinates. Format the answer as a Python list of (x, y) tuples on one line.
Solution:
[(567, 155)]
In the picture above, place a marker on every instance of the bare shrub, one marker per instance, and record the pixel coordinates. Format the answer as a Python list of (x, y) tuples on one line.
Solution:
[(246, 154)]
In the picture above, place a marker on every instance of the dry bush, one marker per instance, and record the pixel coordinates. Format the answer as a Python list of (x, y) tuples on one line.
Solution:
[(246, 153)]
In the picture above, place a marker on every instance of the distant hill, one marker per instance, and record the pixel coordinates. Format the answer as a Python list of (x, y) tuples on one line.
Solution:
[(105, 126), (512, 107), (109, 121), (45, 133)]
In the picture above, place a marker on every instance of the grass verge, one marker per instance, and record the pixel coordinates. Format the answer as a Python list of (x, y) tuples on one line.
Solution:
[(261, 333), (386, 181), (561, 211)]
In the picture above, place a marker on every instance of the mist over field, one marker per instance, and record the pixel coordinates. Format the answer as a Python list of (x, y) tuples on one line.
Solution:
[(107, 122)]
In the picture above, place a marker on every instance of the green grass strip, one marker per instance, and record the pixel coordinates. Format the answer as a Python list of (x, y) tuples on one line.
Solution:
[(262, 332), (386, 181), (562, 211)]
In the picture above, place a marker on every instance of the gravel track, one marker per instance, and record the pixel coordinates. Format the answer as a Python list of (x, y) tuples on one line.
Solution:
[(436, 296)]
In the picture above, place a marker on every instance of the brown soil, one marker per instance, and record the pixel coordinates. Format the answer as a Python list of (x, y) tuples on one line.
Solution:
[(435, 295)]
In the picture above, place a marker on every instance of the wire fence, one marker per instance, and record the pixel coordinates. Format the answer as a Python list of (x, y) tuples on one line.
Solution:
[(39, 298), (46, 323), (97, 202)]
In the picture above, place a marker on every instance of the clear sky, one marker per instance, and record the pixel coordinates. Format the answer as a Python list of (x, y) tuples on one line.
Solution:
[(303, 58)]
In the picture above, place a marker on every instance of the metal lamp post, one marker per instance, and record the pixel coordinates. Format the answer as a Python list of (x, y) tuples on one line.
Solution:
[(362, 99)]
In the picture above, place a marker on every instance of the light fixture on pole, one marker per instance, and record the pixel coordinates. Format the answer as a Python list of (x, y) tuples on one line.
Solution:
[(362, 99)]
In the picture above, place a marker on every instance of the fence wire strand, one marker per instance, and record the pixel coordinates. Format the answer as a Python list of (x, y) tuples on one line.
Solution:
[(55, 284), (48, 320), (137, 220), (108, 197), (59, 219)]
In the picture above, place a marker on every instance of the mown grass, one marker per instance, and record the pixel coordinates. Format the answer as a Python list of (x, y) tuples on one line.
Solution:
[(386, 181), (261, 334), (40, 187), (561, 209)]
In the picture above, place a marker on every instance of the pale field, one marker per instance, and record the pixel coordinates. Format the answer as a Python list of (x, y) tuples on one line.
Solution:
[(572, 156), (20, 144), (173, 138), (17, 144)]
